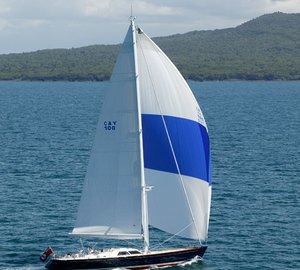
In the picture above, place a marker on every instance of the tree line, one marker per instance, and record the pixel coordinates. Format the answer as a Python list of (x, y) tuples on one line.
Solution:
[(265, 48)]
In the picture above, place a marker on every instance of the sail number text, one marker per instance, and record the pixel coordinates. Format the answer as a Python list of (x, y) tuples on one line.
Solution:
[(110, 125)]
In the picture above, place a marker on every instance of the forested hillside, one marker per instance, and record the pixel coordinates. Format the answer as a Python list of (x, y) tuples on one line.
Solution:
[(264, 48), (86, 63)]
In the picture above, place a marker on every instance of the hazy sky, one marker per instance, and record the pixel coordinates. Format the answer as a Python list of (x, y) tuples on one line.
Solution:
[(28, 25)]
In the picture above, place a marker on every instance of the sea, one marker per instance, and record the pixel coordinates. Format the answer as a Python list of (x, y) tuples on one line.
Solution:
[(46, 134)]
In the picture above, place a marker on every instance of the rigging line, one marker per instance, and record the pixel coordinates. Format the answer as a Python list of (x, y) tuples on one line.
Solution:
[(81, 243), (173, 236), (132, 244), (168, 136)]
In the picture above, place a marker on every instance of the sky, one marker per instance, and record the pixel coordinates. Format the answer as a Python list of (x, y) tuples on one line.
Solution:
[(30, 25)]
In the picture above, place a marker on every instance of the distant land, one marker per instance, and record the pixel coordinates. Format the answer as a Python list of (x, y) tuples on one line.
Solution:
[(265, 48)]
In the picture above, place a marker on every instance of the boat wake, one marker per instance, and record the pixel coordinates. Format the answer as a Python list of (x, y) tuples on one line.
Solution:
[(29, 267), (190, 262)]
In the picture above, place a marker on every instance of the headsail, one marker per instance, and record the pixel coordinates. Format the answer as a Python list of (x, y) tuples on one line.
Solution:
[(110, 205), (176, 146)]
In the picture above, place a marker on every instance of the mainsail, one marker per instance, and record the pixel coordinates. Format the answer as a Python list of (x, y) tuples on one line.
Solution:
[(151, 126), (110, 204)]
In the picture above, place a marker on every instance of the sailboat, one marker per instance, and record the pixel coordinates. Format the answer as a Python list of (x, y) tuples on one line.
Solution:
[(149, 165)]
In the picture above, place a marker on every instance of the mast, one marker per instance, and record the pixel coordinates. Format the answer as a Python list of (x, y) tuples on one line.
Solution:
[(145, 223)]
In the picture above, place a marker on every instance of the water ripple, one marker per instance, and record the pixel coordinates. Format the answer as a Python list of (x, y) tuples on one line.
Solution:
[(46, 132)]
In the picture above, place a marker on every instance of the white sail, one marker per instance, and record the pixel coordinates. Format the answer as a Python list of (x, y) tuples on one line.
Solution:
[(110, 205), (172, 152), (176, 146)]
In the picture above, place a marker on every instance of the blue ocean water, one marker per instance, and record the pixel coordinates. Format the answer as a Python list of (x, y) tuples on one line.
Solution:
[(46, 132)]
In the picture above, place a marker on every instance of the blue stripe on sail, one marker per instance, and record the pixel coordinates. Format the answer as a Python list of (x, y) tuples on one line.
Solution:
[(189, 140)]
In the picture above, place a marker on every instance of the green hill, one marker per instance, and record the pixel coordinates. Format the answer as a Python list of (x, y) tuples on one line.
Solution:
[(86, 63), (264, 48)]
